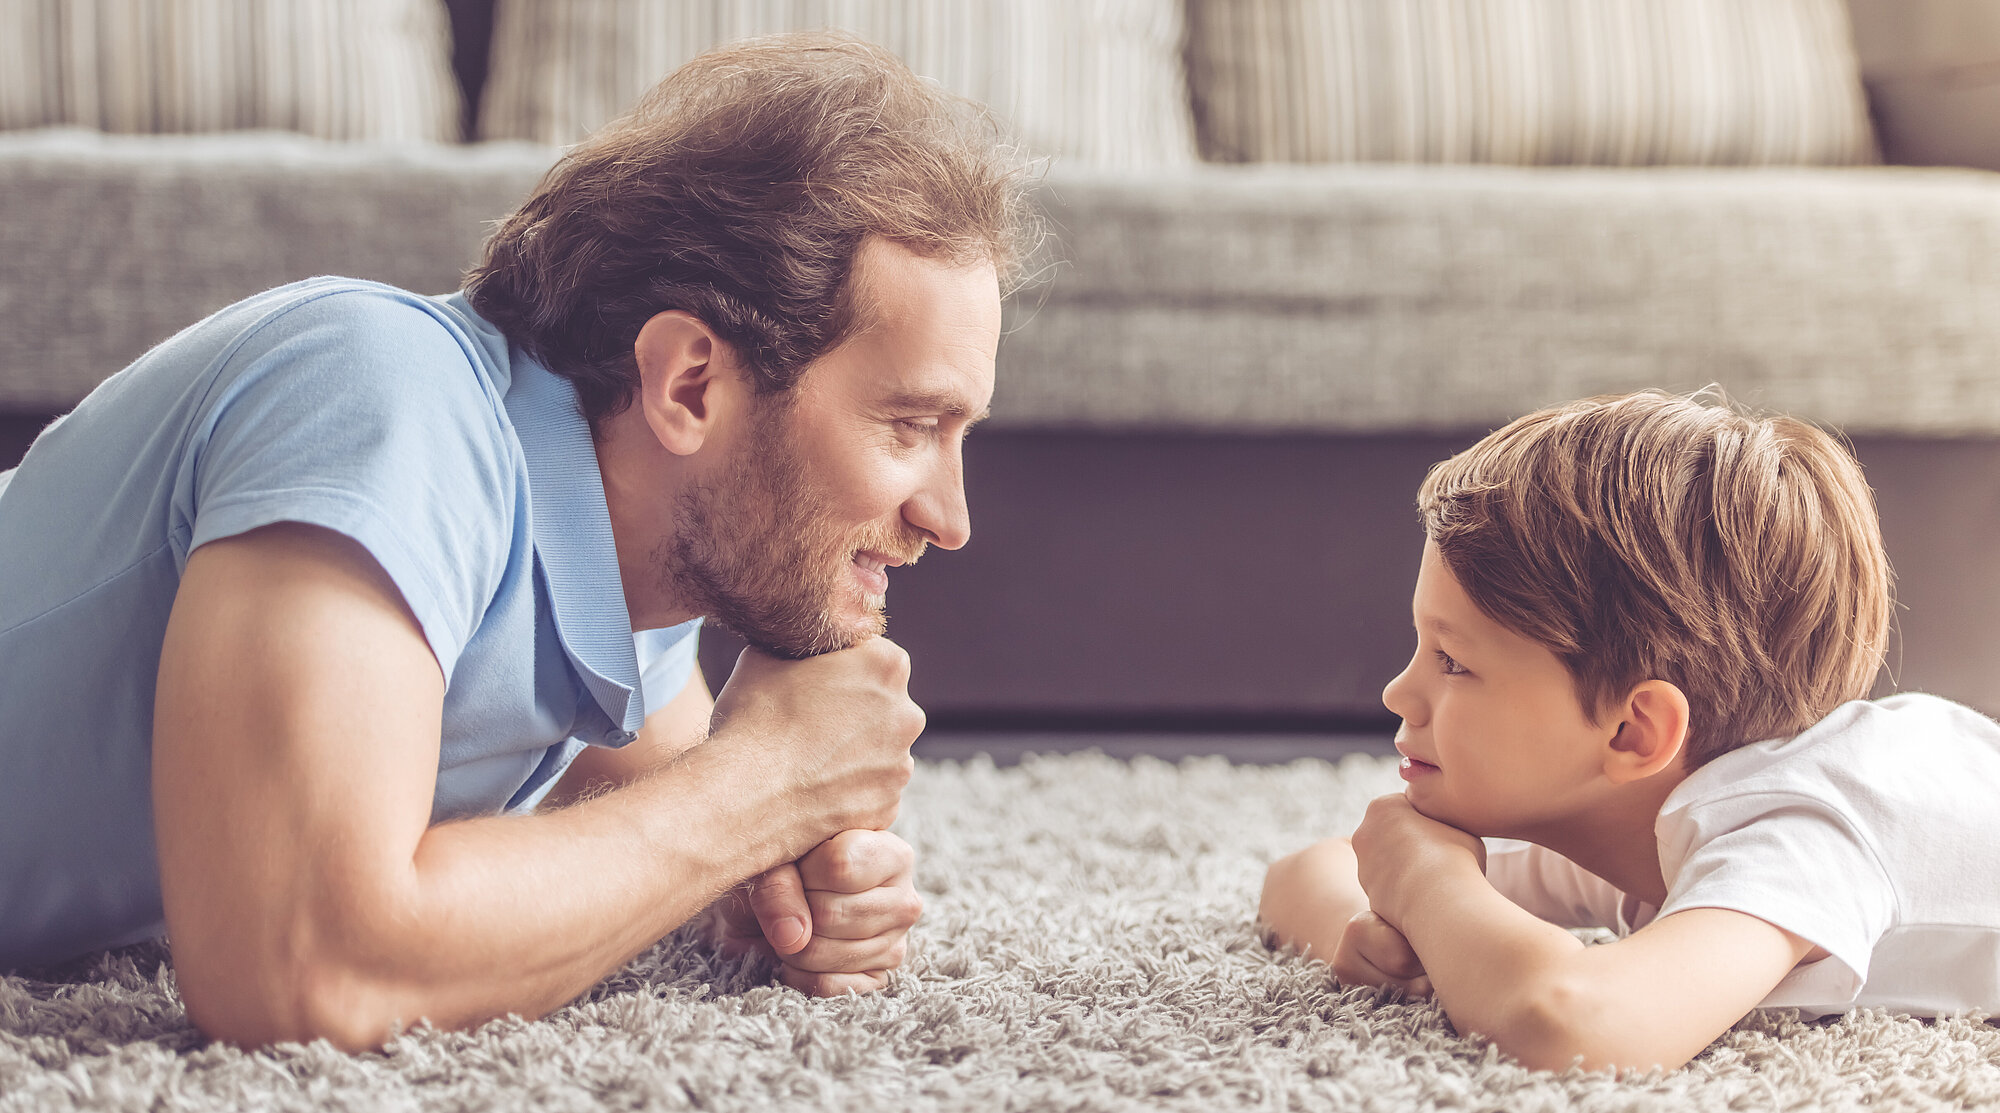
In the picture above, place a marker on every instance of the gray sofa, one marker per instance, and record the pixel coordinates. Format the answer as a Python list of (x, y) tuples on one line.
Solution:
[(1192, 506)]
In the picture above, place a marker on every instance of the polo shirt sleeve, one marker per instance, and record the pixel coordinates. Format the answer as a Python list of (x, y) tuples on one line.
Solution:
[(366, 413), (1790, 860), (666, 660)]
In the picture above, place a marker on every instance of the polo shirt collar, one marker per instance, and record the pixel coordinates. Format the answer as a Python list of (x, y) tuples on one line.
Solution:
[(572, 535)]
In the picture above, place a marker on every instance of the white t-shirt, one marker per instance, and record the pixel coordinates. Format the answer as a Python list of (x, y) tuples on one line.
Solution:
[(1874, 834)]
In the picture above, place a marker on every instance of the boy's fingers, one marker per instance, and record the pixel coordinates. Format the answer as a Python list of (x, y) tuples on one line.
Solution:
[(1373, 953), (778, 897), (1385, 948)]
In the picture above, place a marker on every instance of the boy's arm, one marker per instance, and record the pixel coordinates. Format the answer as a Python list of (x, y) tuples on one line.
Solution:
[(1310, 895), (1654, 999), (1312, 900)]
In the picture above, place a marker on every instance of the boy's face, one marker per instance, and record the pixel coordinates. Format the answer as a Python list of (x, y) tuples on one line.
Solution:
[(1495, 740)]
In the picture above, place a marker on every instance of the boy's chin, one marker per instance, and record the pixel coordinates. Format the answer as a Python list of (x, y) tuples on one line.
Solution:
[(1431, 808)]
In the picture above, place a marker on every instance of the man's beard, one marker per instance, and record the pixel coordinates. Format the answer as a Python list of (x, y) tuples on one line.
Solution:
[(760, 554)]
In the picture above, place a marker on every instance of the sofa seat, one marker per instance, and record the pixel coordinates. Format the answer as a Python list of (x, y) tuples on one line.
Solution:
[(1358, 298), (112, 243), (1391, 298)]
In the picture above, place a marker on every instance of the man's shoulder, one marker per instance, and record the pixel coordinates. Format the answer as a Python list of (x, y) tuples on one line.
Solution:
[(359, 324)]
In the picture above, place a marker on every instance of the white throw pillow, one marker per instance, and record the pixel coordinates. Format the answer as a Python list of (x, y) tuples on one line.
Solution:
[(1603, 82), (1933, 73), (1096, 82), (337, 69)]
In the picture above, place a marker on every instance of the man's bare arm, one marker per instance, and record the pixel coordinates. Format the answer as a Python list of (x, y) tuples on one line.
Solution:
[(295, 754)]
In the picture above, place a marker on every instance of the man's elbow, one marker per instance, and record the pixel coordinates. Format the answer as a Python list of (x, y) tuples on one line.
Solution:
[(254, 997)]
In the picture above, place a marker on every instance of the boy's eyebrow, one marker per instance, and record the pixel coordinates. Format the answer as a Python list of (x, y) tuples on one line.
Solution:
[(1439, 627)]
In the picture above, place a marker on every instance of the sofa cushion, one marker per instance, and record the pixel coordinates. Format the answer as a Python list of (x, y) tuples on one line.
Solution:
[(1377, 297), (1359, 298), (338, 69), (1612, 82), (112, 243), (1098, 83)]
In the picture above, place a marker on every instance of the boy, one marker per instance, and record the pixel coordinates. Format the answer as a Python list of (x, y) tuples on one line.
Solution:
[(1644, 624)]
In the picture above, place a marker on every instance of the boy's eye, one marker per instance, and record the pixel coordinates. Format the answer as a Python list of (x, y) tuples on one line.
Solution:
[(1447, 665)]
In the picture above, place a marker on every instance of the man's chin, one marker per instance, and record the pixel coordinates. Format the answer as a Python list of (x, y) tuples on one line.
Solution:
[(833, 635)]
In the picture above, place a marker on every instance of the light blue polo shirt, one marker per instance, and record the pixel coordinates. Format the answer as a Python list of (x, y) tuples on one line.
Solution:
[(405, 422)]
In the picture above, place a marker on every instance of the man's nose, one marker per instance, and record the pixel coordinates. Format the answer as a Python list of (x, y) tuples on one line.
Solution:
[(940, 510)]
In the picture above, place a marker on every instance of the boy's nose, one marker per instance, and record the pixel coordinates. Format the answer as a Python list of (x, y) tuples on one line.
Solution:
[(1401, 699)]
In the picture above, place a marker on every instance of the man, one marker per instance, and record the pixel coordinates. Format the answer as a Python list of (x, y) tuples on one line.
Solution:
[(347, 637)]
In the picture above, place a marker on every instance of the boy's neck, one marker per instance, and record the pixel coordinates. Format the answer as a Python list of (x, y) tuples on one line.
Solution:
[(1614, 837)]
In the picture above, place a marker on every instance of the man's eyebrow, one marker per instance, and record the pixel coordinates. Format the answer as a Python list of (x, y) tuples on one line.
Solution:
[(935, 402)]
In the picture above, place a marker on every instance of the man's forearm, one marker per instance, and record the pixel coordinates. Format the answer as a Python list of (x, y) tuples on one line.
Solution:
[(520, 914)]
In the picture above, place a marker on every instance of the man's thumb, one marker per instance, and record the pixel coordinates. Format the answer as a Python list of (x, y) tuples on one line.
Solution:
[(778, 899)]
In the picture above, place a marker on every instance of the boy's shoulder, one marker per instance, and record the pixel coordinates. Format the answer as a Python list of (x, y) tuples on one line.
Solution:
[(1867, 762)]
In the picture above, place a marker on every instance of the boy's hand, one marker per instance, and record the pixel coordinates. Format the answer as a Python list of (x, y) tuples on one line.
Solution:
[(838, 919), (1399, 851), (1373, 953)]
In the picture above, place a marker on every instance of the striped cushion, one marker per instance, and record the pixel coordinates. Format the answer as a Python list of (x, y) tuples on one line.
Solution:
[(1094, 83), (338, 69), (1602, 82)]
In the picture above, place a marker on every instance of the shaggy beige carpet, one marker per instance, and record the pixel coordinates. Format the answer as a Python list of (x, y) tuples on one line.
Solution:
[(1088, 946)]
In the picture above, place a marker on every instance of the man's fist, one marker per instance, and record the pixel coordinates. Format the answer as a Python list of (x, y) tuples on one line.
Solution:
[(832, 731), (838, 919)]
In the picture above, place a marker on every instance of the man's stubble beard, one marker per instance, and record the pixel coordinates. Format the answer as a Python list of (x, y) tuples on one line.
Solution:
[(759, 553)]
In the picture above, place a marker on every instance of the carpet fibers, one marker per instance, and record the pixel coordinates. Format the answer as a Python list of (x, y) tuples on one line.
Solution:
[(1087, 945)]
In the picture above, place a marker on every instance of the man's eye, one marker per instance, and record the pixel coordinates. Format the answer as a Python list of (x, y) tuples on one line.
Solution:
[(1447, 665), (923, 426)]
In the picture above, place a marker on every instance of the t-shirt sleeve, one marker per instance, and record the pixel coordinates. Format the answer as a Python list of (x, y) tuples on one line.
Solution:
[(362, 413), (1551, 886), (1791, 861)]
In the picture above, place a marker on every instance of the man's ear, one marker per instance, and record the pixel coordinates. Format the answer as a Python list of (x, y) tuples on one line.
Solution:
[(1652, 730), (686, 379)]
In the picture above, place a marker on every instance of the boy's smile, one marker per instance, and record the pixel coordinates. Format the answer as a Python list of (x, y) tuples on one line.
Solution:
[(1494, 738)]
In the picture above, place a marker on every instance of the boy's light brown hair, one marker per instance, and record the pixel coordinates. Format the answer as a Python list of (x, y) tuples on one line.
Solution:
[(1670, 537)]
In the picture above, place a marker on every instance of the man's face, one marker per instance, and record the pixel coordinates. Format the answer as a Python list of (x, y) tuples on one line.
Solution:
[(1494, 738), (853, 471)]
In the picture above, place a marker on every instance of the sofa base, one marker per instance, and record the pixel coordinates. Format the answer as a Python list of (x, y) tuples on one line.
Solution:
[(1210, 583), (1219, 583)]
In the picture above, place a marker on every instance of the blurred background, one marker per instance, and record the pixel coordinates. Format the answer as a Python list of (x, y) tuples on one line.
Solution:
[(1301, 250)]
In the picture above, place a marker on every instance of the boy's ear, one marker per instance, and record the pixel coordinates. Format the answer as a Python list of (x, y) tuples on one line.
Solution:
[(1652, 730), (686, 380)]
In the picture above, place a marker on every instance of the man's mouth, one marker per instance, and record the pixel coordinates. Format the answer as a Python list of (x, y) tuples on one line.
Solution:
[(872, 569)]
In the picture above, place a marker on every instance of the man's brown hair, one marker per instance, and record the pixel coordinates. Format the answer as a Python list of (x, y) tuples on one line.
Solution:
[(739, 190), (1659, 536)]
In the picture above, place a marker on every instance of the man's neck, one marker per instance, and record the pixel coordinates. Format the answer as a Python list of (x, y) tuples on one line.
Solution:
[(636, 476)]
